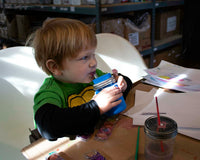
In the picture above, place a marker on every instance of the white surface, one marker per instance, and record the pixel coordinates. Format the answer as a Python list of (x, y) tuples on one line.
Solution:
[(20, 78), (102, 65), (120, 54)]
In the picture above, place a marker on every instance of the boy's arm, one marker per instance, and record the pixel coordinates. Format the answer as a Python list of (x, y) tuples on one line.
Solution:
[(54, 122)]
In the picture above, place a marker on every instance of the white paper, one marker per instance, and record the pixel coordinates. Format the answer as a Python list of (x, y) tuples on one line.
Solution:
[(171, 23), (184, 108), (140, 101), (134, 38)]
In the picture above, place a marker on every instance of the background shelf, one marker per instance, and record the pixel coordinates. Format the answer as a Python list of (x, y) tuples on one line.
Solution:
[(168, 42), (98, 12)]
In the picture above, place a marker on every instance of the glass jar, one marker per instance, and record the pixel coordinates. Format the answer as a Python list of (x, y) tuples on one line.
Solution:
[(159, 140)]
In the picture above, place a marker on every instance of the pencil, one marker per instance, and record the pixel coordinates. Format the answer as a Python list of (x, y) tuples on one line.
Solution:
[(137, 144)]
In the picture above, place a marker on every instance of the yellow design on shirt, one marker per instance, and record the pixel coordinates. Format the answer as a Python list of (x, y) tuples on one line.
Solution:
[(81, 98)]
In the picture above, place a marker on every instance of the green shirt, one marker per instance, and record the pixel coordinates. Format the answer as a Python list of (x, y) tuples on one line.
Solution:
[(62, 94)]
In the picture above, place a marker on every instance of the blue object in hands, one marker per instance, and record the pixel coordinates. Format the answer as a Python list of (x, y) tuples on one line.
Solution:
[(106, 81)]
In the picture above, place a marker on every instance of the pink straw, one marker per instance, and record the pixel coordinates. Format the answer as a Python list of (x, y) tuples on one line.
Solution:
[(158, 115)]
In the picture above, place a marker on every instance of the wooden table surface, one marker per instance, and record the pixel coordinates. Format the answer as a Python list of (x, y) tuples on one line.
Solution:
[(120, 145)]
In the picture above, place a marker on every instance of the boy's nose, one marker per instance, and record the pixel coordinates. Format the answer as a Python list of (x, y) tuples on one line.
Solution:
[(93, 62)]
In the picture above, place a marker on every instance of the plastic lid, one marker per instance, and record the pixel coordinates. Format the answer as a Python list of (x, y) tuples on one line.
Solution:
[(166, 130), (102, 78)]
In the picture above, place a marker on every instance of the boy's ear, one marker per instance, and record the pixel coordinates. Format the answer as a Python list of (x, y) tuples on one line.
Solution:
[(53, 67)]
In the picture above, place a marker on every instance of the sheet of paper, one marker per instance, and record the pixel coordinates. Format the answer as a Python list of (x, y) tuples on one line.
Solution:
[(168, 75), (193, 133), (184, 108), (141, 102)]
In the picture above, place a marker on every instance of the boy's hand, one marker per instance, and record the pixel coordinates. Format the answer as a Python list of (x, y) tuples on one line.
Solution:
[(108, 98), (120, 80)]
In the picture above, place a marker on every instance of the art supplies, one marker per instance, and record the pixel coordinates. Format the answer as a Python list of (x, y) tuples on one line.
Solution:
[(137, 144)]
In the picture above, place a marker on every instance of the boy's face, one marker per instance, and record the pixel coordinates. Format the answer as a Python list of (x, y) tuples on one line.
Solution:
[(80, 69)]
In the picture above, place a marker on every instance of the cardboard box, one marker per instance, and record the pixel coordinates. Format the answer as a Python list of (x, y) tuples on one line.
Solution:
[(171, 55), (66, 2), (104, 1), (139, 36), (167, 23), (12, 26), (57, 2), (23, 26), (78, 2), (45, 2), (3, 32), (115, 26)]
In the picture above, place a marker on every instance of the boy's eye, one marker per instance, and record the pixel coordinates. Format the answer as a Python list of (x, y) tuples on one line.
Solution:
[(84, 58)]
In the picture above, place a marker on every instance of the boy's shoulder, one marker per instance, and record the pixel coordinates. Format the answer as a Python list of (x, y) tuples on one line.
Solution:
[(50, 84), (49, 92)]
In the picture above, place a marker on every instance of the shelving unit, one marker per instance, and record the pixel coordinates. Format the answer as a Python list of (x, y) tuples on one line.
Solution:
[(98, 11)]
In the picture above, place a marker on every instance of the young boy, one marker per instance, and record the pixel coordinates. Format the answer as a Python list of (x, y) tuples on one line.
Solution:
[(65, 104)]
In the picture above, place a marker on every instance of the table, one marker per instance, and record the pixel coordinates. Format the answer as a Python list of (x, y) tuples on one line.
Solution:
[(120, 145)]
